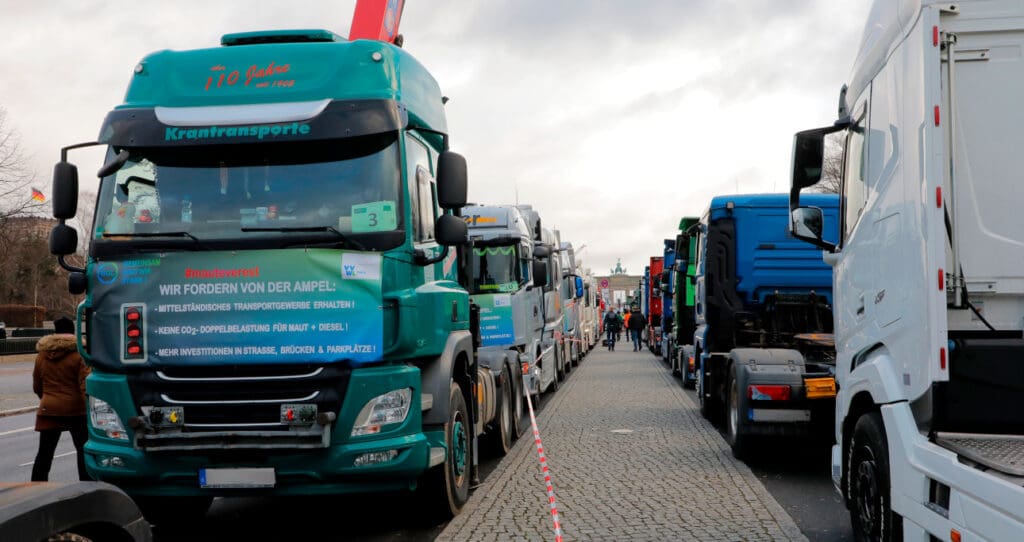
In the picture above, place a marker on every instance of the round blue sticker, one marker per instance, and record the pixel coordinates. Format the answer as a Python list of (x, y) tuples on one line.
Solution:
[(106, 273)]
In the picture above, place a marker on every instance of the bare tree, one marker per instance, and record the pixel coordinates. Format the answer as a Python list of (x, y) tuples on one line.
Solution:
[(15, 175), (831, 166), (29, 274)]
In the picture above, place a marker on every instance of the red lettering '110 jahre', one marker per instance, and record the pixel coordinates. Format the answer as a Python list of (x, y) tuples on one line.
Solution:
[(254, 72)]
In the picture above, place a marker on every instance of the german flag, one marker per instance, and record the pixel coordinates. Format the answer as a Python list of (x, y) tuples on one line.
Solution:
[(37, 195)]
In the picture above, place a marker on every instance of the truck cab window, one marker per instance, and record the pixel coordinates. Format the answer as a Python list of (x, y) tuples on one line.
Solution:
[(223, 193), (494, 270), (854, 196), (421, 188)]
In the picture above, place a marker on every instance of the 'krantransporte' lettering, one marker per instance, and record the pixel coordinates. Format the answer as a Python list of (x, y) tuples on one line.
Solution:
[(218, 132)]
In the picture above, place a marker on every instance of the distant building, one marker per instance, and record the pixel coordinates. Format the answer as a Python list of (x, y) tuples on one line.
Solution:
[(618, 288)]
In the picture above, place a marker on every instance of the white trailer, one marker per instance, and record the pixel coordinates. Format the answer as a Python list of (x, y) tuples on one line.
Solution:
[(929, 272)]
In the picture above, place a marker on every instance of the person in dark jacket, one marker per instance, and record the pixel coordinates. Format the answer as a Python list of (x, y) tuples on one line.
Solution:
[(611, 327), (637, 323), (59, 381)]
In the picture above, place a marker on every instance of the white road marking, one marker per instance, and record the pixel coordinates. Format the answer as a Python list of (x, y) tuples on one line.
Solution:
[(55, 457), (16, 431)]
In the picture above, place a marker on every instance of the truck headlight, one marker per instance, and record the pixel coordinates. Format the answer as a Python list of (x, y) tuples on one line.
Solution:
[(391, 407), (105, 419)]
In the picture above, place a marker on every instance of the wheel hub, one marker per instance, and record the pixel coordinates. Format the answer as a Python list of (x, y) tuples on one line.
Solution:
[(459, 444), (867, 496)]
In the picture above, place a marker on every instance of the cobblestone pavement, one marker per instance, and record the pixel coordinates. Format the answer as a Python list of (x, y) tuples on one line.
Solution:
[(631, 458)]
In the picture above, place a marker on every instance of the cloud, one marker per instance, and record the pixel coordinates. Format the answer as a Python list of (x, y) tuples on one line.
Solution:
[(612, 118)]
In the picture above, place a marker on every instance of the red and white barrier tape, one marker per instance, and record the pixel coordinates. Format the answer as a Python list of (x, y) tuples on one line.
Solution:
[(546, 471)]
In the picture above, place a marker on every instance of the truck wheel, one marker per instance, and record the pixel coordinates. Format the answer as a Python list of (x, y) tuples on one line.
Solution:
[(870, 510), (676, 362), (709, 406), (559, 370), (705, 404), (446, 488), (173, 513), (736, 403), (499, 438), (518, 406)]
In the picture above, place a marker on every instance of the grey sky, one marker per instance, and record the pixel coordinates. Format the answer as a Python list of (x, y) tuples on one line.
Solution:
[(613, 118)]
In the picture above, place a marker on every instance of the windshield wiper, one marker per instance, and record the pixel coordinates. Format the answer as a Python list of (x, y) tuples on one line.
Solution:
[(154, 234), (312, 229)]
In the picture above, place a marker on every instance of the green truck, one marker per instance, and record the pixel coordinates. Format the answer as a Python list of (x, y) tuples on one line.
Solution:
[(274, 294)]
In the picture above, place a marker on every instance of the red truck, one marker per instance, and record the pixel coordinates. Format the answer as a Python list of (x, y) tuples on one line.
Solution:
[(653, 297)]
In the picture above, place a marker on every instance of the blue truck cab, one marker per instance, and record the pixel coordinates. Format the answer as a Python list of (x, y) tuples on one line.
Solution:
[(763, 308)]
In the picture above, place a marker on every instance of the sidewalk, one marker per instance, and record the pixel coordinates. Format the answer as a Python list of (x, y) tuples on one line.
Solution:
[(631, 458)]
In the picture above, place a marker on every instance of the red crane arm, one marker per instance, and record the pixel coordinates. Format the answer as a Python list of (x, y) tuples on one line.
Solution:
[(376, 20)]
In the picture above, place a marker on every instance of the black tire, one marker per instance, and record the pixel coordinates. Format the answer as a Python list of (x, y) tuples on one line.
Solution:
[(535, 394), (705, 404), (445, 489), (559, 369), (870, 509), (735, 425), (173, 513), (675, 360), (518, 405), (500, 437)]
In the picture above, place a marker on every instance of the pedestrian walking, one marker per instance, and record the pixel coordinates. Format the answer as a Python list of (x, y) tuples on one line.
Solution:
[(611, 328), (59, 380), (637, 323)]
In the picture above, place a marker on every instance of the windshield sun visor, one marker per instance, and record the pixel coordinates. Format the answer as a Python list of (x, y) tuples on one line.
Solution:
[(251, 124)]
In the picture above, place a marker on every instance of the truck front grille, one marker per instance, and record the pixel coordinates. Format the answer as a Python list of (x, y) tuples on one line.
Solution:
[(243, 403)]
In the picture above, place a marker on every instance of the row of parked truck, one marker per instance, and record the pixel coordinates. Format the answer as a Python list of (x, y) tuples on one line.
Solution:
[(286, 291), (278, 285), (742, 311), (900, 335)]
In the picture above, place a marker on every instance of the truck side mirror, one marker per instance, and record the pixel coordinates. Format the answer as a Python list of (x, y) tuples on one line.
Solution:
[(808, 224), (808, 157), (539, 270), (65, 191), (450, 230), (76, 283), (541, 252), (63, 240), (579, 287), (451, 180)]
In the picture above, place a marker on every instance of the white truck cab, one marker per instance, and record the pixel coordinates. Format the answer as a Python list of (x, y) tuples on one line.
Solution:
[(928, 271)]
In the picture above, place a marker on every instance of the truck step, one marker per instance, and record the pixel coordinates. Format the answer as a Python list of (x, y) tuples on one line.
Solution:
[(1004, 453)]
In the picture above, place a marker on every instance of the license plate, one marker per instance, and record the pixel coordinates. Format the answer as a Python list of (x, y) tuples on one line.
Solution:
[(237, 478), (820, 388)]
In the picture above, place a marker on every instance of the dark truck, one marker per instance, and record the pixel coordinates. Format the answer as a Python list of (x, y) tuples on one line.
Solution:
[(763, 310)]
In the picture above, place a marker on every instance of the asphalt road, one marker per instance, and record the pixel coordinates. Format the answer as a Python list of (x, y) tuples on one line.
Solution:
[(19, 442)]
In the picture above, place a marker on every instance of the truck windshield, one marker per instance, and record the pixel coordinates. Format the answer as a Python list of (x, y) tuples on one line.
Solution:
[(494, 269), (256, 195)]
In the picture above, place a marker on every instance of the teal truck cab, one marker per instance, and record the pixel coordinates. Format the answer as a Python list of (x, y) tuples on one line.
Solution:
[(273, 306)]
